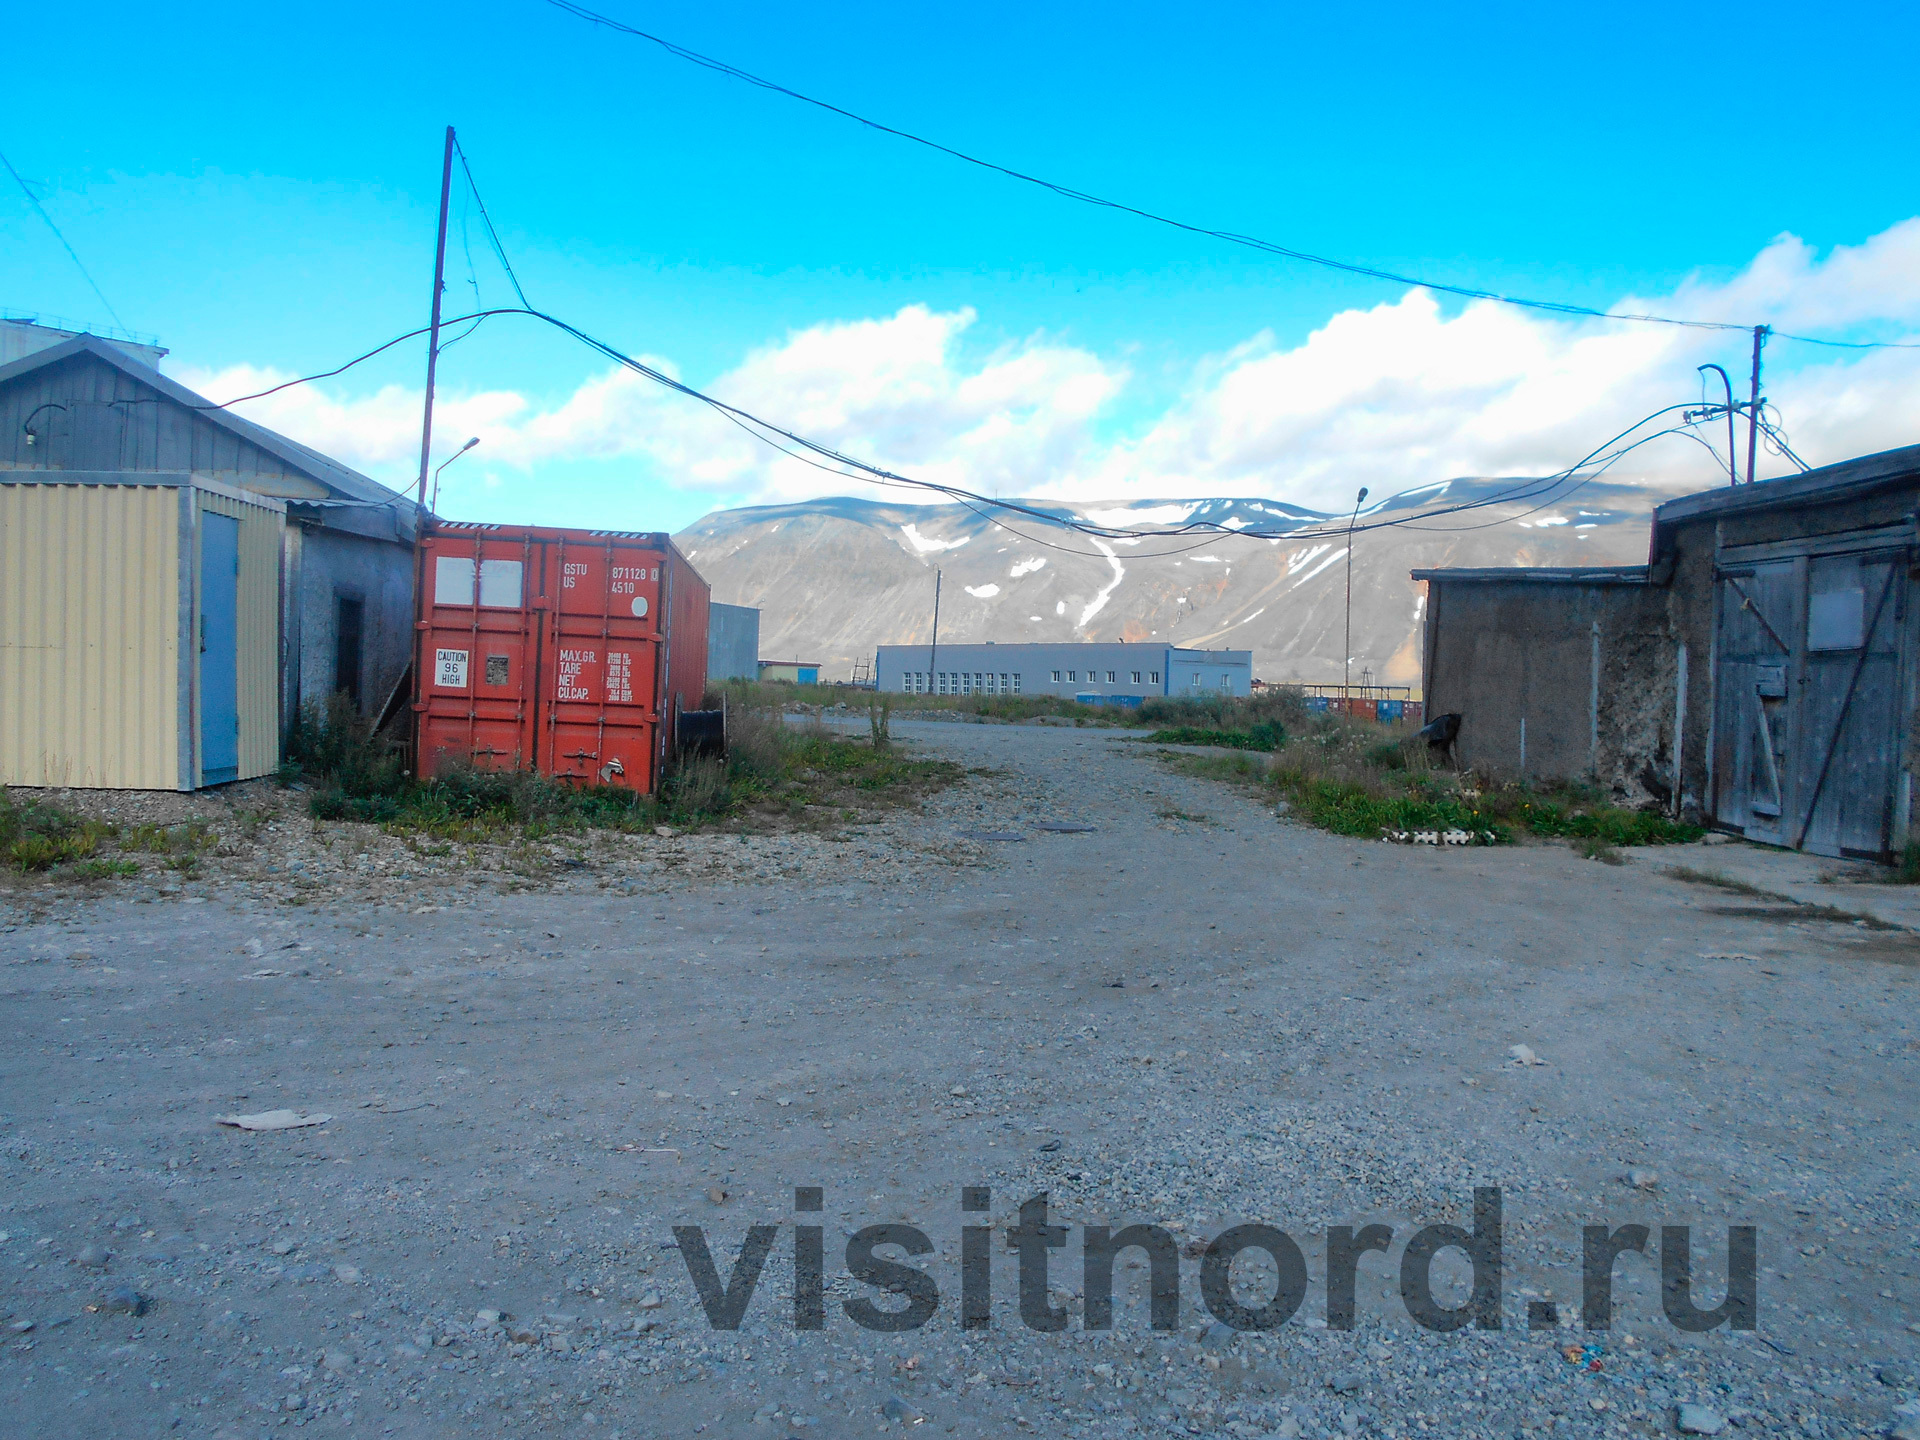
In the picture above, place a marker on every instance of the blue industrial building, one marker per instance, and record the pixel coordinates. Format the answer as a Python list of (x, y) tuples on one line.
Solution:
[(1092, 673)]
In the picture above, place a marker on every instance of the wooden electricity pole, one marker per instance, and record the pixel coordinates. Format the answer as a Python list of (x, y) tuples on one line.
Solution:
[(433, 335)]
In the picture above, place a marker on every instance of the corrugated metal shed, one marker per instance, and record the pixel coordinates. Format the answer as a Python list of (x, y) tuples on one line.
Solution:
[(82, 404), (733, 642), (106, 597)]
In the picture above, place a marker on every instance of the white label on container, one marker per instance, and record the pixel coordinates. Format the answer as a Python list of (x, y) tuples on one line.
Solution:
[(450, 669), (640, 605), (573, 665)]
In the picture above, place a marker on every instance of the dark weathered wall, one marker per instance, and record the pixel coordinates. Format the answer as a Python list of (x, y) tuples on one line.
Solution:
[(1688, 552), (1504, 653), (377, 573)]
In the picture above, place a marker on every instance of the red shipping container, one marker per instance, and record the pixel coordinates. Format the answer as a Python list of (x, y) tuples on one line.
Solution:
[(569, 652)]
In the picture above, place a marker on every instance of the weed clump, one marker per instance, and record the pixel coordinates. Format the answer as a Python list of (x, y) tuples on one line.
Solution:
[(36, 835), (769, 764), (1348, 777)]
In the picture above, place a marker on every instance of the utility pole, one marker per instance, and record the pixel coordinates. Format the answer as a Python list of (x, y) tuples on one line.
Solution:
[(933, 651), (1760, 333), (1346, 674), (433, 336)]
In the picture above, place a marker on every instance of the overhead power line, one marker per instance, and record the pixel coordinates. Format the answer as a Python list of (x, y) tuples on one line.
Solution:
[(493, 236), (1252, 242), (65, 244), (835, 462)]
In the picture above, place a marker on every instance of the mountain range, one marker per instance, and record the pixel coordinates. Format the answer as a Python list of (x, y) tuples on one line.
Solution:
[(835, 577)]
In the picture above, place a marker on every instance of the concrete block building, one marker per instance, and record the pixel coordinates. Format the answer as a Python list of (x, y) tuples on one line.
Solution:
[(1093, 673)]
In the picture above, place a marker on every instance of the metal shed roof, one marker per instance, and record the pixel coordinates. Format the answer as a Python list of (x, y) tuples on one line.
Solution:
[(1542, 575), (350, 488), (1844, 481)]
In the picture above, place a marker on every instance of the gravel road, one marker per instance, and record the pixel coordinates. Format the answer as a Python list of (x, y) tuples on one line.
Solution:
[(1196, 1014)]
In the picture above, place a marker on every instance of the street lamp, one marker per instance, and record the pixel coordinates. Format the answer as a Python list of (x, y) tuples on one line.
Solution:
[(1346, 677), (446, 462)]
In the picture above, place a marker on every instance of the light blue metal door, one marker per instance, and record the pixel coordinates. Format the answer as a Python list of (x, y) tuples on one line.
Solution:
[(219, 649)]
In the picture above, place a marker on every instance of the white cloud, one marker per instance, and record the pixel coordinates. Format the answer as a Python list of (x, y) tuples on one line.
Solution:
[(1390, 397)]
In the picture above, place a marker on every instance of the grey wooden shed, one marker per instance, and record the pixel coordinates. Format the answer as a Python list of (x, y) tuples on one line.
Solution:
[(1759, 673)]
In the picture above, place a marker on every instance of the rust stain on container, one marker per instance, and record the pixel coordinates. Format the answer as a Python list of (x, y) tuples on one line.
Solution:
[(569, 652)]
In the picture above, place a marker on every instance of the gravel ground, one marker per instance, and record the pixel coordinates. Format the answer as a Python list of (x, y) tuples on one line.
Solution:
[(1195, 1014)]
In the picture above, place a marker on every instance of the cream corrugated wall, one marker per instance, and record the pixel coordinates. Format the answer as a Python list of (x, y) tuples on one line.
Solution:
[(89, 644), (259, 630)]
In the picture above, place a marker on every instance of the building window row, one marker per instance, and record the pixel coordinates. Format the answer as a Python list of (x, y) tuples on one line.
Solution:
[(961, 682), (1072, 677)]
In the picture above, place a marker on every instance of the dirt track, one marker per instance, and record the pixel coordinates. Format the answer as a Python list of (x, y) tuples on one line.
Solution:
[(1195, 1014)]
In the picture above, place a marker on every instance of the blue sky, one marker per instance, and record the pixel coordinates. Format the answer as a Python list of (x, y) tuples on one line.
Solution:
[(257, 188)]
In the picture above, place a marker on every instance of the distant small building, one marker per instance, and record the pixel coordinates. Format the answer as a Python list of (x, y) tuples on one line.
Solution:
[(733, 642), (793, 672), (1760, 673), (1094, 673)]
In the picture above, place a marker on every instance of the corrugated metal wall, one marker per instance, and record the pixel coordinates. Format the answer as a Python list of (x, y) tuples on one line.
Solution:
[(89, 644), (259, 647)]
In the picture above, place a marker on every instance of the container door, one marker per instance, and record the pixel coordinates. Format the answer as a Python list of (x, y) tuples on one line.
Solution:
[(1847, 731), (1753, 723), (601, 678), (477, 654), (219, 649)]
